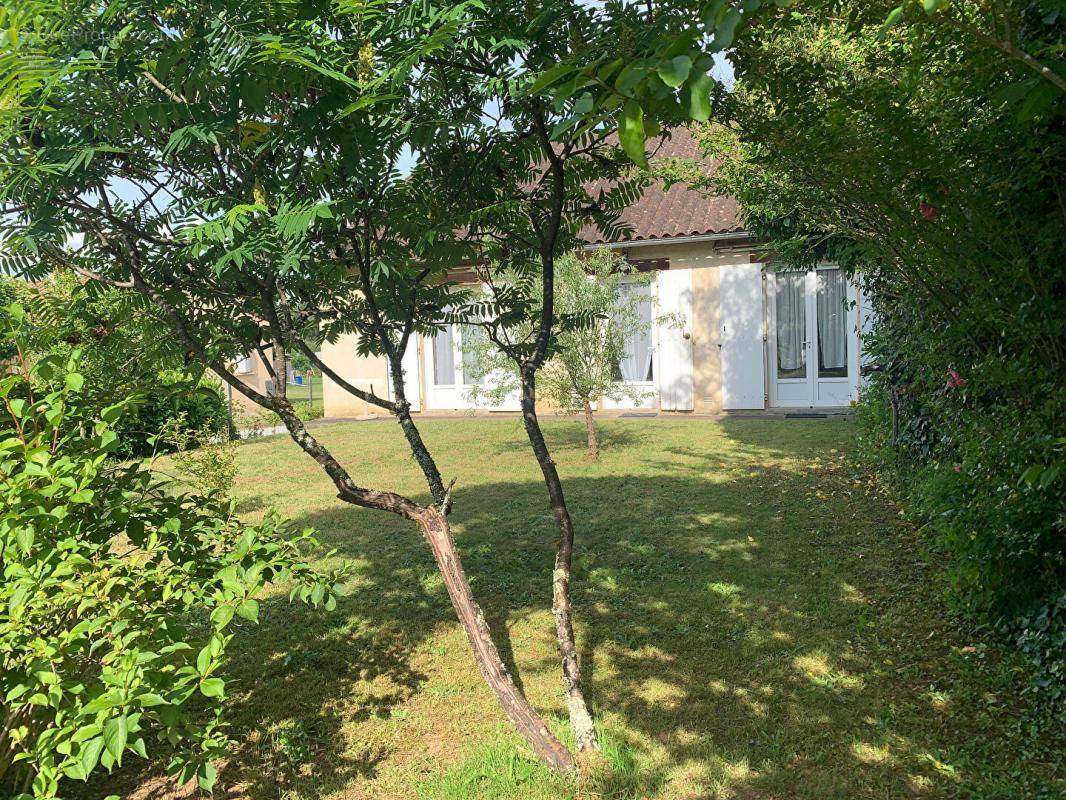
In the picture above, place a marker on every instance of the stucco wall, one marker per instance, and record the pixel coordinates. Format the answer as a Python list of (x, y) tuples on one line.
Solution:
[(701, 257), (256, 378), (367, 373), (704, 260)]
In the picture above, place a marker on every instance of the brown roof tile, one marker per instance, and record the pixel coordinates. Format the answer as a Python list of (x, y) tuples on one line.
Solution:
[(677, 212)]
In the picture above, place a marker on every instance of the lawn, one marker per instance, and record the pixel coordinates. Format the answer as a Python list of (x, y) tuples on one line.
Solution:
[(754, 621), (309, 390)]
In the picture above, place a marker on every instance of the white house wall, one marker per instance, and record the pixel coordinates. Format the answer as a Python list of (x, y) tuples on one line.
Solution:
[(689, 369)]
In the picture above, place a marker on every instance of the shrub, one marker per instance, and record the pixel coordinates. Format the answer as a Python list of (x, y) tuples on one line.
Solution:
[(198, 409), (205, 458), (118, 594), (927, 163), (982, 473)]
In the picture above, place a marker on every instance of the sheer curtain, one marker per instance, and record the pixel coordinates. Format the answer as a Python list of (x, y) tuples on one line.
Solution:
[(443, 358), (832, 334), (791, 322), (636, 365)]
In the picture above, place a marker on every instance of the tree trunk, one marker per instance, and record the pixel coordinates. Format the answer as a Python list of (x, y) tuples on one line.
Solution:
[(435, 528), (547, 747), (580, 718), (590, 429)]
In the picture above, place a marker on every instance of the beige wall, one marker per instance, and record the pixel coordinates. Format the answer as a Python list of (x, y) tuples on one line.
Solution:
[(256, 377), (704, 260), (368, 373)]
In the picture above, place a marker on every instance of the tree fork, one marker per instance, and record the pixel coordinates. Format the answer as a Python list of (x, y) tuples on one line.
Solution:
[(437, 533)]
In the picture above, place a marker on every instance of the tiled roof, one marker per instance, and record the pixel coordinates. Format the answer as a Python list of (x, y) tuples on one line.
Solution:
[(677, 212)]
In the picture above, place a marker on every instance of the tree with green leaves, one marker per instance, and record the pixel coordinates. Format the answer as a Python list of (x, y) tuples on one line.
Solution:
[(256, 213), (601, 289), (927, 161), (126, 352), (238, 168), (105, 566), (263, 212)]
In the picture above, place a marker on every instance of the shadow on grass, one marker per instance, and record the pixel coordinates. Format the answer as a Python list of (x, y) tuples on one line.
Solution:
[(740, 628), (565, 435)]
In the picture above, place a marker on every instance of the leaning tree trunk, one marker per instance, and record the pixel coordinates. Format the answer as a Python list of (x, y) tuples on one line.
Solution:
[(562, 609), (550, 750), (434, 526), (590, 429)]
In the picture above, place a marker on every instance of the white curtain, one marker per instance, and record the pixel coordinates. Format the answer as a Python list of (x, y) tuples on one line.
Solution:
[(832, 333), (791, 321), (443, 357), (636, 365)]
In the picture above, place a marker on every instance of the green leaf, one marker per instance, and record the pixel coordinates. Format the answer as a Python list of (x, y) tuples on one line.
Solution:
[(725, 31), (222, 615), (249, 609), (102, 703), (24, 537), (89, 754), (111, 414), (205, 776), (74, 381), (698, 96), (74, 771), (631, 132), (893, 17), (203, 660), (550, 76), (150, 699), (115, 731), (675, 71), (213, 687)]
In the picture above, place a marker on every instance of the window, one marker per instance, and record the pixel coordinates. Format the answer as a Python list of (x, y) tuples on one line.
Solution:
[(472, 339), (791, 307), (636, 366), (832, 324), (443, 358), (243, 365)]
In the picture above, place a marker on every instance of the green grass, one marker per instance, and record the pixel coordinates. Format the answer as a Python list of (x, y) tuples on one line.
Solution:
[(754, 621), (303, 391)]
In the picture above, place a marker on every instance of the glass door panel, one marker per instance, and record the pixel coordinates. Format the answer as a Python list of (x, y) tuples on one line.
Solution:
[(791, 307), (832, 324)]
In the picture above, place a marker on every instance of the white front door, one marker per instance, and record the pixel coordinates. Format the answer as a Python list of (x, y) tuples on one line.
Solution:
[(741, 342), (813, 342), (675, 339), (448, 384)]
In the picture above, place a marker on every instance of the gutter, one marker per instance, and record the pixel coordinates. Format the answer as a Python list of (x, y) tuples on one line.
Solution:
[(706, 237)]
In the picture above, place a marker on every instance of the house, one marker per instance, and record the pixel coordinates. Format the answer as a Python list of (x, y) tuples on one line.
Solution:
[(752, 339), (252, 372)]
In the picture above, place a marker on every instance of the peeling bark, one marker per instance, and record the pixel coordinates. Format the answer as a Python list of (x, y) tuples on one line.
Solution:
[(562, 609), (547, 747)]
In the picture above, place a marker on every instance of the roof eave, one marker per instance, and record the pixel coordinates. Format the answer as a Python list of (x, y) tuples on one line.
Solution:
[(626, 244)]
